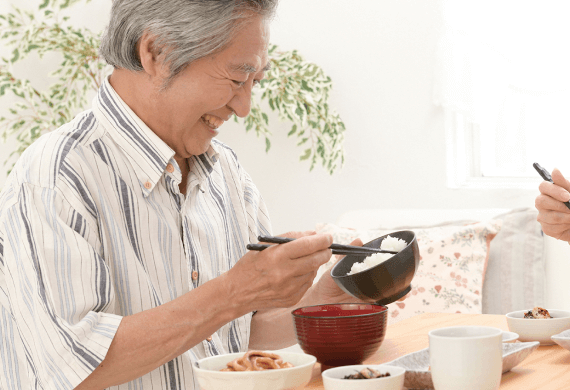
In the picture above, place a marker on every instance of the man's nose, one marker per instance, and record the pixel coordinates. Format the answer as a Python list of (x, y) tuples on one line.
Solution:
[(241, 102)]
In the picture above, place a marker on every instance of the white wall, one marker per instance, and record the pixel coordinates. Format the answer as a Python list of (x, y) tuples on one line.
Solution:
[(380, 55)]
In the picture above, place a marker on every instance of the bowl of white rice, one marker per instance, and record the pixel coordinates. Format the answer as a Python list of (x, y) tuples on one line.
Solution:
[(382, 277)]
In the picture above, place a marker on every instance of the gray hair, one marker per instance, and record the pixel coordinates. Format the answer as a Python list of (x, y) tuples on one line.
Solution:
[(185, 30)]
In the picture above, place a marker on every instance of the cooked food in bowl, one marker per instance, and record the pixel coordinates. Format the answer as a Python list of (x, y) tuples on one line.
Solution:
[(257, 361), (367, 373), (538, 313), (335, 378), (383, 283), (389, 243), (209, 376), (538, 329)]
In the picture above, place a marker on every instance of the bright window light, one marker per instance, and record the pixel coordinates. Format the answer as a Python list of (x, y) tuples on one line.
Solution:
[(503, 79)]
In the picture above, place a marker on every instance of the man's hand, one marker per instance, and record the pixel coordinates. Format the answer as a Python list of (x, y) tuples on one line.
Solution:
[(327, 291), (553, 214), (274, 329), (280, 275)]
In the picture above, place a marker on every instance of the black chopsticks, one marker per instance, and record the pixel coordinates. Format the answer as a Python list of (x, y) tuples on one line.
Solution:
[(337, 249)]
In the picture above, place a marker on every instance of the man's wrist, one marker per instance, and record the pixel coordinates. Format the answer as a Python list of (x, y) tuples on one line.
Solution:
[(232, 296), (309, 299)]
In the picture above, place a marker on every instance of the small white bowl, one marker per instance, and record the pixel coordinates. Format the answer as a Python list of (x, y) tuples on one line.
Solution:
[(333, 378), (540, 330), (510, 337), (209, 376)]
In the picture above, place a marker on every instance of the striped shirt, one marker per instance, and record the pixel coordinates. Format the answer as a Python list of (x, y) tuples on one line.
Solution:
[(93, 227)]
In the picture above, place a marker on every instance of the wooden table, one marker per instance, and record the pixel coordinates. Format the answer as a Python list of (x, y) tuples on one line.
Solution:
[(548, 367)]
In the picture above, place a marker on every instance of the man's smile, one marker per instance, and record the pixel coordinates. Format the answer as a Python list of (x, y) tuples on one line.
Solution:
[(212, 121)]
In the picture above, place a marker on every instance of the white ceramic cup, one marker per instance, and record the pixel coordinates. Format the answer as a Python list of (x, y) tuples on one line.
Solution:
[(466, 357)]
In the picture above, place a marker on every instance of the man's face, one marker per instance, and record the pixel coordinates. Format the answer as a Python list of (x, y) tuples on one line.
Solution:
[(206, 94)]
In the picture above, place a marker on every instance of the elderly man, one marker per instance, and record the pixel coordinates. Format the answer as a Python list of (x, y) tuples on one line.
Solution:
[(123, 233), (553, 214)]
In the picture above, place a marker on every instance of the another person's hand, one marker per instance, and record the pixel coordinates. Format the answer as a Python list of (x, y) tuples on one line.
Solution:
[(553, 214), (327, 291), (280, 275)]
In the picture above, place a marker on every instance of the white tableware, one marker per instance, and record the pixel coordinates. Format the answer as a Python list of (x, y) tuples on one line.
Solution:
[(509, 337), (209, 376), (418, 374), (514, 353), (562, 339), (333, 378), (540, 330), (466, 357)]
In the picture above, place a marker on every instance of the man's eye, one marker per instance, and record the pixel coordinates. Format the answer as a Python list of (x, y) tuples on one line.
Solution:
[(238, 83), (256, 82)]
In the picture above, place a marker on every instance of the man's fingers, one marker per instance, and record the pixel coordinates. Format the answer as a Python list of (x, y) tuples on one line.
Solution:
[(560, 232), (554, 191), (298, 234), (559, 179), (554, 218), (310, 263), (295, 235), (355, 242), (546, 202), (306, 245)]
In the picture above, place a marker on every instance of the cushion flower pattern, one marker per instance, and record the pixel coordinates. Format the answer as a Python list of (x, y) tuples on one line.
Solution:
[(452, 266)]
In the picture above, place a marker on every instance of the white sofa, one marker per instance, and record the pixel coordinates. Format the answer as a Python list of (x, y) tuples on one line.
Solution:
[(556, 253)]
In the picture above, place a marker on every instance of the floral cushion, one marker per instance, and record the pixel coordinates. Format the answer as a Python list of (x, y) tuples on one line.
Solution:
[(451, 271)]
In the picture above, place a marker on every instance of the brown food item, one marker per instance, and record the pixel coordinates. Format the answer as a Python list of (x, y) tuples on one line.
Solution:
[(367, 373), (257, 361), (538, 313)]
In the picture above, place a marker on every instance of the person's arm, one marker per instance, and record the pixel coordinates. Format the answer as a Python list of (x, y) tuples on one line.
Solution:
[(146, 340), (61, 293), (278, 276), (274, 328), (553, 214)]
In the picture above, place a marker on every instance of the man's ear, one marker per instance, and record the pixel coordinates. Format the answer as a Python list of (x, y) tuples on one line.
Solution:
[(149, 55)]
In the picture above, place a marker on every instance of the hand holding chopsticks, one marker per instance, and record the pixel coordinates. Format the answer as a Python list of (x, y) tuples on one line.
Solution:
[(337, 249)]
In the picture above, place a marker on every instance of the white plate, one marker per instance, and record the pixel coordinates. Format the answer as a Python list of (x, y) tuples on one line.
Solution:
[(509, 337), (418, 375), (562, 339)]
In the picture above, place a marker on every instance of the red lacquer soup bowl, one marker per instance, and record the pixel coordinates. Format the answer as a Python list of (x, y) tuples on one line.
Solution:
[(340, 334)]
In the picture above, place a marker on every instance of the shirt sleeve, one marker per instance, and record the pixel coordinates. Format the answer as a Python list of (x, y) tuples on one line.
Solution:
[(56, 289)]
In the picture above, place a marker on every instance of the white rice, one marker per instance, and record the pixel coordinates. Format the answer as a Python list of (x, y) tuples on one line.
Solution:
[(389, 244)]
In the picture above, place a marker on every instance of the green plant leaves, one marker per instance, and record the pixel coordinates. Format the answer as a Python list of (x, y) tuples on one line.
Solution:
[(16, 55), (295, 89), (298, 91)]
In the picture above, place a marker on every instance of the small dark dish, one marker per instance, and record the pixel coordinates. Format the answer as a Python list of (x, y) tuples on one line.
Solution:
[(340, 334), (385, 282)]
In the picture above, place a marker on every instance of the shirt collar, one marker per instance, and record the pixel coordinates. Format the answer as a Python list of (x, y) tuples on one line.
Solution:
[(147, 153)]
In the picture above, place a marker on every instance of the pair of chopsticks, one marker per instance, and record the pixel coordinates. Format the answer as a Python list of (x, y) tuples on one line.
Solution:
[(337, 249)]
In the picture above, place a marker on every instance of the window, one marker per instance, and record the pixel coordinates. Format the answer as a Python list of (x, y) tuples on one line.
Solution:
[(502, 78)]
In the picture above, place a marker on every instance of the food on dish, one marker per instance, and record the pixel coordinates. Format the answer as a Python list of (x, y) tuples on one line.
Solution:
[(538, 313), (367, 373), (257, 361), (390, 244)]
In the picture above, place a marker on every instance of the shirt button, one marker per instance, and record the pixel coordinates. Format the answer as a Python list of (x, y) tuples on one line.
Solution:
[(148, 185), (194, 275), (170, 168), (209, 338)]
